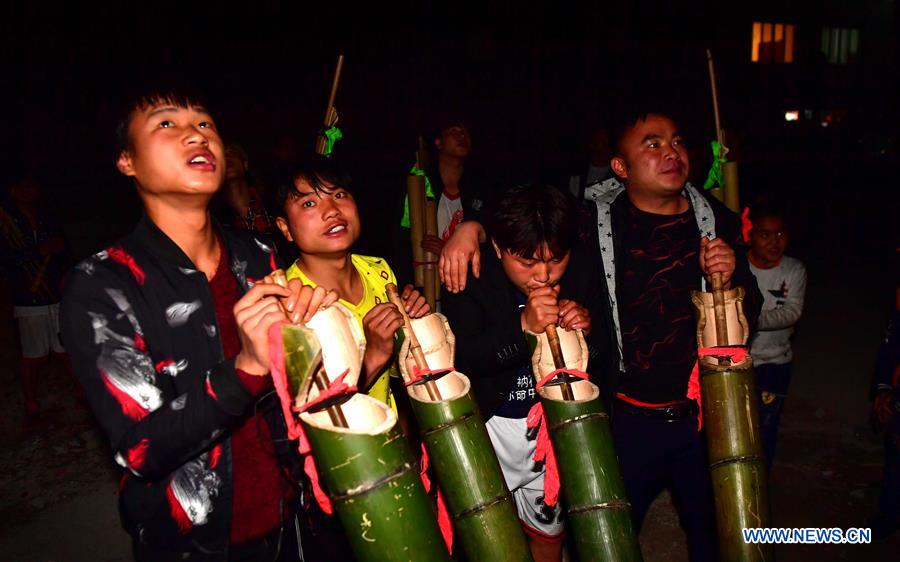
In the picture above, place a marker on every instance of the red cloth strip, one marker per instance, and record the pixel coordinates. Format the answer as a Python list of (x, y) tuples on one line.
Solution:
[(335, 388), (418, 374), (746, 225), (736, 354), (295, 430), (443, 515), (552, 375), (543, 451)]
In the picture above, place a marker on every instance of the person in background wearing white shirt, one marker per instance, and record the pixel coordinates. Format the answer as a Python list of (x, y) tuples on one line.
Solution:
[(456, 202), (782, 281)]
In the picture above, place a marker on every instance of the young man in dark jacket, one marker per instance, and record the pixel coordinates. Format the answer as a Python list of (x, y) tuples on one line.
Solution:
[(657, 237), (167, 333), (533, 276)]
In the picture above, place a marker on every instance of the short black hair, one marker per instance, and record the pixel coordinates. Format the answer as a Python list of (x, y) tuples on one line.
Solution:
[(179, 96), (525, 217), (766, 210), (447, 123), (322, 173), (627, 120)]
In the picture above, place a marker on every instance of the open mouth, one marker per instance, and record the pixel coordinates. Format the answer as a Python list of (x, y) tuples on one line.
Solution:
[(336, 229), (202, 160)]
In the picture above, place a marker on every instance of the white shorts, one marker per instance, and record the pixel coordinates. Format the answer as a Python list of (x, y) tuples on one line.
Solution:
[(525, 478), (38, 330)]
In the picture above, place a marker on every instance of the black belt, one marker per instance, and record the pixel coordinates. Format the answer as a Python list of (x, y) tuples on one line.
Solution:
[(673, 412)]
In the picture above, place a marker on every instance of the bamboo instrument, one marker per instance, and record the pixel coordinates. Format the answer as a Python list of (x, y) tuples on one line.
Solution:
[(415, 191), (460, 451), (321, 377), (731, 419), (331, 115), (729, 194), (597, 508), (719, 308), (414, 347), (558, 360), (431, 279)]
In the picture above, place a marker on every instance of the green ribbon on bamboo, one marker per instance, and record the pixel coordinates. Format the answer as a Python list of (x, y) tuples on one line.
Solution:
[(416, 171), (714, 178), (332, 134)]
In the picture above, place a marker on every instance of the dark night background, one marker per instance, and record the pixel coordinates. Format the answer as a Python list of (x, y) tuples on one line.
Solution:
[(533, 82)]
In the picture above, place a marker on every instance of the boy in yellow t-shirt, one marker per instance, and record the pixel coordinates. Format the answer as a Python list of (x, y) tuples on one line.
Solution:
[(316, 212)]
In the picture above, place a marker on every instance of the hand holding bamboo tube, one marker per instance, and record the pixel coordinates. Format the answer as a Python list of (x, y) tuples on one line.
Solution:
[(414, 348), (321, 378)]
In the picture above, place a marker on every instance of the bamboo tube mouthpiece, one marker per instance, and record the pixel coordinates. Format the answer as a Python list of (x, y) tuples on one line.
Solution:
[(414, 347), (558, 360)]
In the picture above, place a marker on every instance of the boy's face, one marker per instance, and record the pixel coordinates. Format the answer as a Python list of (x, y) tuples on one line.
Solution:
[(528, 273), (455, 141), (653, 158), (318, 222), (768, 240), (174, 151)]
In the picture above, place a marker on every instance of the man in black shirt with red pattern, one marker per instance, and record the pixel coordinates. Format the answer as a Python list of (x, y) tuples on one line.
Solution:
[(656, 244)]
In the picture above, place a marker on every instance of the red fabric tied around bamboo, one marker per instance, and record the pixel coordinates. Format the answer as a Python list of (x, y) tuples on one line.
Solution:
[(443, 514), (736, 354), (335, 388), (543, 449), (295, 430), (746, 225), (418, 374)]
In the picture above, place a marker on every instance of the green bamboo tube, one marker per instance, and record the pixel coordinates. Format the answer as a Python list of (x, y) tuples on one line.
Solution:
[(598, 511), (373, 481), (483, 512), (736, 462)]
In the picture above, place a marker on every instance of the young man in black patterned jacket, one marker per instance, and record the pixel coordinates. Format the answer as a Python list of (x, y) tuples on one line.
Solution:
[(167, 333)]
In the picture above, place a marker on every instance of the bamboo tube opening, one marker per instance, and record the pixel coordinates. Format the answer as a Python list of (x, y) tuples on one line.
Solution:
[(436, 340), (365, 416), (738, 329), (582, 390), (715, 363), (575, 354), (451, 386)]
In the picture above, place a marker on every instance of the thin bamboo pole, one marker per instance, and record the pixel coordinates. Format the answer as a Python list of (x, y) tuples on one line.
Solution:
[(414, 347), (330, 112)]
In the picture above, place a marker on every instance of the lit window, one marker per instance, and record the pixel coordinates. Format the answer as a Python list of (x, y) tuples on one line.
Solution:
[(773, 42), (840, 45)]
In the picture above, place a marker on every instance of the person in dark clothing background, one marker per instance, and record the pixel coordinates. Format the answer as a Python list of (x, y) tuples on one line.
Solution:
[(533, 275), (33, 259)]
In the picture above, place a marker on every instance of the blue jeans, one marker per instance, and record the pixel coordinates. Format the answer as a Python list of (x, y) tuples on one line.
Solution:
[(772, 383)]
